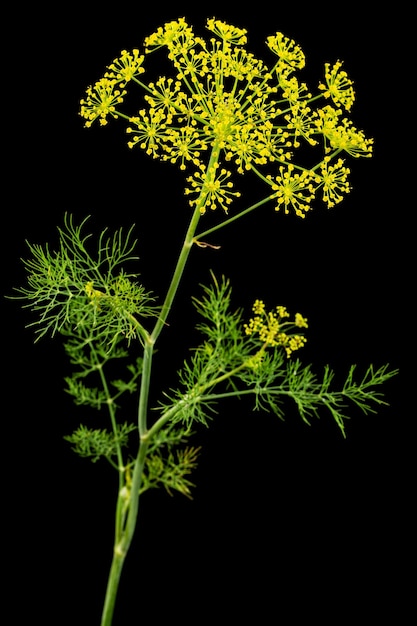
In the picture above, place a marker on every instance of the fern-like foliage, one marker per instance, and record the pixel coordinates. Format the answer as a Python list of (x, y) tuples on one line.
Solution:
[(88, 381), (170, 462), (229, 362), (98, 443), (74, 285), (312, 393)]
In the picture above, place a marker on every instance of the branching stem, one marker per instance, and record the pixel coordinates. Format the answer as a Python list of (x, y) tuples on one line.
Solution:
[(200, 236), (124, 537)]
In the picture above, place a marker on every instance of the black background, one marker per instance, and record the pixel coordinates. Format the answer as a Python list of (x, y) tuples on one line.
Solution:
[(287, 520)]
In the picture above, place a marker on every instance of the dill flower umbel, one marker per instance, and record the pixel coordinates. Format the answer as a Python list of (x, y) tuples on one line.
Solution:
[(213, 190), (341, 134), (229, 34), (101, 101), (272, 327), (301, 119), (288, 52), (338, 86), (293, 189), (150, 128), (335, 182), (126, 67), (222, 100)]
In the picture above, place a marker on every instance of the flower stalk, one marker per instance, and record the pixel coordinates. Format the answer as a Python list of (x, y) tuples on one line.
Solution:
[(124, 536)]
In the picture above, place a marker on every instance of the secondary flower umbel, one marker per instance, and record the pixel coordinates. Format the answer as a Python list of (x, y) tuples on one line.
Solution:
[(272, 327)]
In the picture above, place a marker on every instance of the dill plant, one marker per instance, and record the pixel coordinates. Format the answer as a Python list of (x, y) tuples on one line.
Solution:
[(223, 113)]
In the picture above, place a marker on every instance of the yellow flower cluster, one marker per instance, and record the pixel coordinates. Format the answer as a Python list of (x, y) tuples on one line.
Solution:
[(222, 98), (338, 86), (217, 190), (342, 135), (334, 181), (289, 54), (226, 32), (295, 189), (126, 67), (101, 101), (272, 327)]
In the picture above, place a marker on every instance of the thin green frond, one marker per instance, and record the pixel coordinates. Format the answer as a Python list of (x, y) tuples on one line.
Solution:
[(312, 394), (169, 463), (367, 393), (90, 360), (84, 395), (98, 443), (78, 287)]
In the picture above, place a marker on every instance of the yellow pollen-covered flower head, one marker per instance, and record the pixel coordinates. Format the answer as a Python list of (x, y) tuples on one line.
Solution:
[(273, 328), (338, 86), (220, 112)]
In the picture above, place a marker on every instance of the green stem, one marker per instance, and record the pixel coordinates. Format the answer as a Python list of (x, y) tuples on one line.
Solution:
[(167, 416), (198, 238), (112, 587), (111, 408), (185, 251), (124, 538)]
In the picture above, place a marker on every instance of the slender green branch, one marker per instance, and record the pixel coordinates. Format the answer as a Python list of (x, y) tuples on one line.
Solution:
[(179, 270), (120, 461), (185, 250), (223, 377), (110, 405), (197, 395), (141, 330), (144, 388), (200, 236), (329, 156)]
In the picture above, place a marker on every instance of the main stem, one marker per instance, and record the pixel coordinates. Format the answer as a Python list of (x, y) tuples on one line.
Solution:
[(125, 531)]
